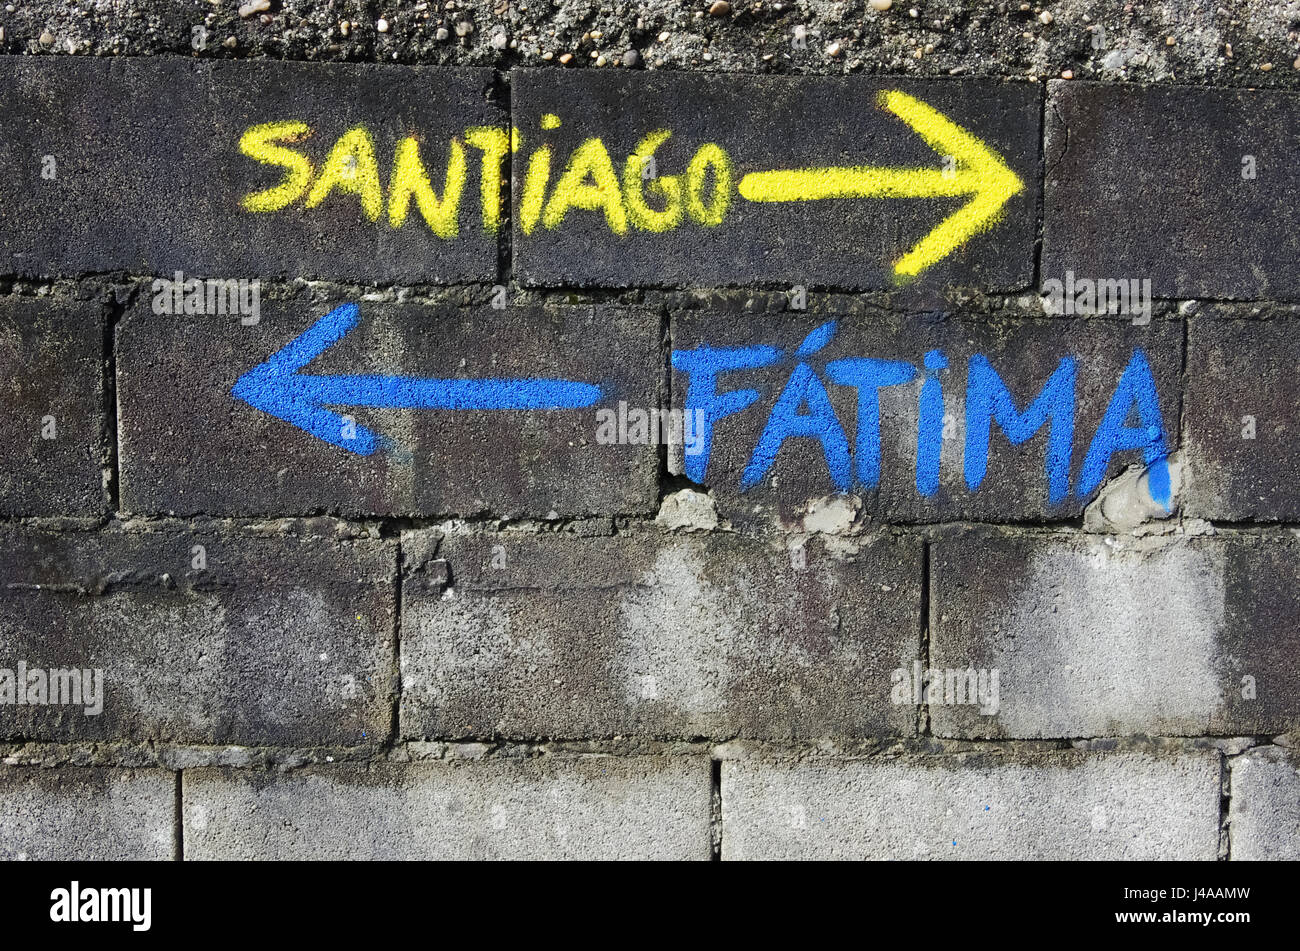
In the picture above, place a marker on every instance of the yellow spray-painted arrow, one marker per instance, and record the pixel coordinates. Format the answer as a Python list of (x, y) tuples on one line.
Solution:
[(976, 170)]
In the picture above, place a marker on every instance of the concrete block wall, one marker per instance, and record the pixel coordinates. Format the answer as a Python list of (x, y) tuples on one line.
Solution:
[(243, 617)]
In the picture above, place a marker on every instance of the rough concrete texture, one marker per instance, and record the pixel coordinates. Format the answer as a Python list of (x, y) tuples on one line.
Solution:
[(242, 461), (1063, 806), (1193, 189), (163, 136), (1243, 449), (1264, 813), (1103, 636), (53, 448), (687, 510), (284, 29), (768, 124), (1248, 42), (273, 641), (640, 613), (594, 808), (1024, 353), (1127, 504), (75, 814), (1227, 43), (550, 635)]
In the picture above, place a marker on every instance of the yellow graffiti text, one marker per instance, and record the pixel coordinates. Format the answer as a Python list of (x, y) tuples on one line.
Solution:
[(641, 198), (628, 192), (351, 168)]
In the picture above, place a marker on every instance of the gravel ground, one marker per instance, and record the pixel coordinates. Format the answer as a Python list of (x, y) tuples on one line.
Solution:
[(1251, 43)]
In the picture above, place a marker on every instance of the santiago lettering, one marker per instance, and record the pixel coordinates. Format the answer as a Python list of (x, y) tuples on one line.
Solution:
[(635, 196)]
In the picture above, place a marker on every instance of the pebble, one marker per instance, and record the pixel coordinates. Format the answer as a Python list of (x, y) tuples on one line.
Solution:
[(566, 59), (1068, 74), (499, 41), (464, 28), (47, 38), (382, 25), (442, 34), (1266, 66), (345, 28), (914, 13), (720, 8), (1296, 64), (600, 60), (229, 43), (663, 37), (254, 6), (631, 58), (833, 49), (880, 5), (1045, 17)]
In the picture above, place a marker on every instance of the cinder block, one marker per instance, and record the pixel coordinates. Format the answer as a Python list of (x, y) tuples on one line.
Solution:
[(1058, 806), (1194, 189), (167, 140), (594, 808), (825, 420), (1243, 433), (83, 814), (273, 641), (554, 635), (724, 232), (190, 445), (1264, 812), (1104, 636), (52, 426)]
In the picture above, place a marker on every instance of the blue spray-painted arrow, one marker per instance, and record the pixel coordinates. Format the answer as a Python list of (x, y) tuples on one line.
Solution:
[(277, 388)]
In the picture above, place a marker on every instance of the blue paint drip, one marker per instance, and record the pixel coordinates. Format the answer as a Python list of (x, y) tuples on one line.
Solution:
[(703, 366), (869, 377), (786, 422), (929, 429), (278, 389), (1137, 387), (989, 401)]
